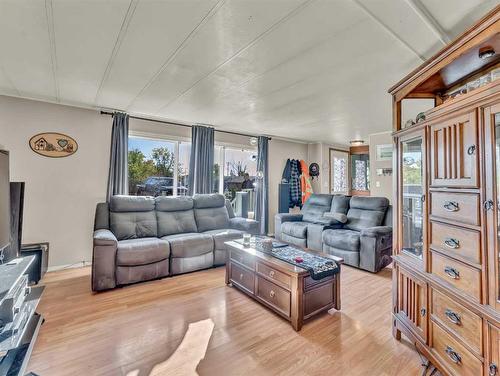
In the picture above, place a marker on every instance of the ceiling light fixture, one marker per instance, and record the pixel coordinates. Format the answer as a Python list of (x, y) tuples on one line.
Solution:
[(356, 142), (486, 52), (253, 141)]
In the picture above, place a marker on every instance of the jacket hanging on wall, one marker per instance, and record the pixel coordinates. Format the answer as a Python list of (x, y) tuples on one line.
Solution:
[(305, 182), (295, 191)]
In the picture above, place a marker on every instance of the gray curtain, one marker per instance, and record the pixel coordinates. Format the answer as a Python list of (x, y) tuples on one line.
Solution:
[(118, 163), (201, 164), (262, 187)]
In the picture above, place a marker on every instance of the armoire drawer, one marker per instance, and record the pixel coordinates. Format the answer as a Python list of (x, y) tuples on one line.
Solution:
[(458, 319), (462, 276), (456, 241), (458, 207), (453, 354)]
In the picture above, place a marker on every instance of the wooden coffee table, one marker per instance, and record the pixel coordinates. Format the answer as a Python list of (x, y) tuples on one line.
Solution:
[(284, 288)]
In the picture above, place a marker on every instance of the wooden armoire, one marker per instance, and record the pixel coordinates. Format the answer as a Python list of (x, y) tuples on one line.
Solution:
[(446, 276)]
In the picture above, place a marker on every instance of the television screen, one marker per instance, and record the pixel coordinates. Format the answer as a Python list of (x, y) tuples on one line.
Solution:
[(4, 200)]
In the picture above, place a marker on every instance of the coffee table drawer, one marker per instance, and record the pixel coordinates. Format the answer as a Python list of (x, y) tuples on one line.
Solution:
[(458, 319), (454, 355), (242, 277), (243, 258), (457, 241), (275, 296), (281, 278), (460, 275)]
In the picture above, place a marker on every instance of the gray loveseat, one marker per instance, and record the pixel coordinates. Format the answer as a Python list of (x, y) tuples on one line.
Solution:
[(142, 238), (358, 229)]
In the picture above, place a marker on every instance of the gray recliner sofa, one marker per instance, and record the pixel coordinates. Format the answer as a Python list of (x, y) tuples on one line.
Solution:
[(358, 229), (365, 240), (142, 238), (305, 229)]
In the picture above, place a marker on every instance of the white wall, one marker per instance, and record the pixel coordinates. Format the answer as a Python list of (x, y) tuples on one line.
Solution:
[(380, 185), (61, 193)]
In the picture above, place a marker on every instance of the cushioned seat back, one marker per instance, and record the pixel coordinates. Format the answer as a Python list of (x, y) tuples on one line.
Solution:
[(132, 217), (210, 212), (340, 204), (388, 217), (315, 206), (175, 215), (366, 212)]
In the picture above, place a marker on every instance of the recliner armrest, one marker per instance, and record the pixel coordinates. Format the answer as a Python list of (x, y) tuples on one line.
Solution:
[(289, 217), (376, 231), (104, 260), (104, 237), (244, 224)]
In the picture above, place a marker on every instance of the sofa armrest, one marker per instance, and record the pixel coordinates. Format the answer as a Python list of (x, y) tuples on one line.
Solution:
[(244, 224), (375, 248), (103, 260), (376, 231), (284, 217)]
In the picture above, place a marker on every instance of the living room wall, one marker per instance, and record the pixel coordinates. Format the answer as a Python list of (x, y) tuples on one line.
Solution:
[(61, 193)]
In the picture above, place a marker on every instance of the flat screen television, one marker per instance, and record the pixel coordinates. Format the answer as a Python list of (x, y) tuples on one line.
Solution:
[(4, 201)]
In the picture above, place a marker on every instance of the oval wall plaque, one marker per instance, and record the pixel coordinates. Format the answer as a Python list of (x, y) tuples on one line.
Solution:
[(54, 145)]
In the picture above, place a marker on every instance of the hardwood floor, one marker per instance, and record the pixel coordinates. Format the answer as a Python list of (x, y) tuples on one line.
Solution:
[(129, 330)]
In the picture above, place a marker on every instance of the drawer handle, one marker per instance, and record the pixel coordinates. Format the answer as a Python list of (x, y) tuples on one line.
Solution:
[(241, 276), (451, 206), (452, 272), (452, 316), (423, 311), (452, 243), (493, 369), (454, 356), (272, 294), (271, 274), (471, 150), (488, 205)]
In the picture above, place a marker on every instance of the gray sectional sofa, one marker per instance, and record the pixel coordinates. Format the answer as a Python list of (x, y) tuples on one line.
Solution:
[(142, 238), (358, 229)]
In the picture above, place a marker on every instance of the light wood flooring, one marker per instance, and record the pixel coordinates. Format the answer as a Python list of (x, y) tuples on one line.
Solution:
[(127, 331)]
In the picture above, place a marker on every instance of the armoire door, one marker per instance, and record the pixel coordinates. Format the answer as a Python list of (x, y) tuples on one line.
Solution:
[(454, 151), (491, 205), (412, 302)]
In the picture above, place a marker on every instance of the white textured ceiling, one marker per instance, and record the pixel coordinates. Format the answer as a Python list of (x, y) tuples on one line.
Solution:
[(312, 70)]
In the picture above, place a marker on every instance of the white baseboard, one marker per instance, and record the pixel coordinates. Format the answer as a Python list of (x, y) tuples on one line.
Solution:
[(79, 264)]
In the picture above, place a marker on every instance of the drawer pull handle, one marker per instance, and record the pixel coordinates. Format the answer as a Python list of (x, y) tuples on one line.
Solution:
[(454, 356), (241, 276), (471, 150), (272, 294), (488, 205), (423, 311), (271, 274), (452, 272), (493, 369), (452, 316), (451, 206), (452, 243)]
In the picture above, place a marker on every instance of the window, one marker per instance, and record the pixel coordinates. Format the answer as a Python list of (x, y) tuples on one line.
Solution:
[(240, 170), (360, 172), (157, 167), (339, 171)]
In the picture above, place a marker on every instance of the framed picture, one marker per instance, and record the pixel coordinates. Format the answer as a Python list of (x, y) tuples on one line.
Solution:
[(384, 152)]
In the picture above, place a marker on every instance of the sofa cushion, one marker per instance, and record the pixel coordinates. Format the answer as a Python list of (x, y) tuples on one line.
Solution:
[(315, 206), (366, 212), (211, 218), (342, 239), (212, 200), (123, 203), (175, 215), (190, 244), (133, 225), (295, 229), (173, 204), (143, 251), (340, 204), (223, 235)]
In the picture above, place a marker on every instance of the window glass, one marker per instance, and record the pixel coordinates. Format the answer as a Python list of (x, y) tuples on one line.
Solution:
[(183, 168), (360, 165), (240, 169), (151, 167)]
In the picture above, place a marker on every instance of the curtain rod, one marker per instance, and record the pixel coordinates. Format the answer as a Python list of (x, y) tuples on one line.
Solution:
[(179, 124)]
